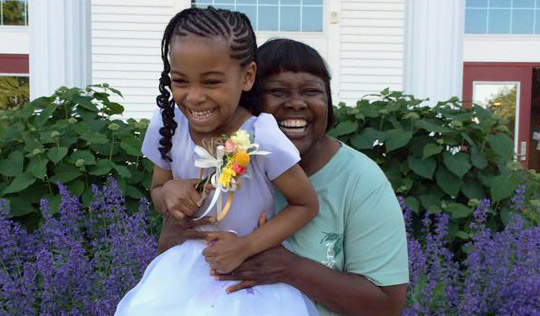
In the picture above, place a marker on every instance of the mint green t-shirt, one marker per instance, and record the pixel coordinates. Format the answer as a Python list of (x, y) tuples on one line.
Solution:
[(360, 227)]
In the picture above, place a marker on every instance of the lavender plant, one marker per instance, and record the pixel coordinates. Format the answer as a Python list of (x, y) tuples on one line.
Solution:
[(500, 274), (80, 261)]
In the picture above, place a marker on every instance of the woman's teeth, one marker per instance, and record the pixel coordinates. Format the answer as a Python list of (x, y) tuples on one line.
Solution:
[(293, 126), (201, 115)]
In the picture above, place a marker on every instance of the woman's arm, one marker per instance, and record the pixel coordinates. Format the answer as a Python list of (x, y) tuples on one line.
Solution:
[(340, 292), (227, 252)]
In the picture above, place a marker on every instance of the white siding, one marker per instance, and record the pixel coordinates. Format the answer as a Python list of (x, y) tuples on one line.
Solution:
[(372, 47), (126, 44)]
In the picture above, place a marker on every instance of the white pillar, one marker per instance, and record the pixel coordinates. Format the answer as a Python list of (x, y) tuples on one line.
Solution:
[(60, 46), (434, 49)]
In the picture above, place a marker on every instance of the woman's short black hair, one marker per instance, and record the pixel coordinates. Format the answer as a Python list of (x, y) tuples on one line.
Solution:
[(278, 55)]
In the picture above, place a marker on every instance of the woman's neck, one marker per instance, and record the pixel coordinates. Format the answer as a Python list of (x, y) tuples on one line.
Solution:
[(240, 116), (319, 154)]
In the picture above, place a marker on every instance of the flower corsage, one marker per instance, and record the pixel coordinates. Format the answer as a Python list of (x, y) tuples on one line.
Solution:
[(228, 165)]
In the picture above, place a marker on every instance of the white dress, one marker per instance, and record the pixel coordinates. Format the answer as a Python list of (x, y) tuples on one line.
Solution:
[(178, 282)]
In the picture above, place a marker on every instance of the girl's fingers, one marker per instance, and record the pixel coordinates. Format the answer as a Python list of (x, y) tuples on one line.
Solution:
[(240, 286), (262, 219)]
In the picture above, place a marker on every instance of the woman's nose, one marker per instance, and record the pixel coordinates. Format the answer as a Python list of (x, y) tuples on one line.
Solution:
[(296, 101)]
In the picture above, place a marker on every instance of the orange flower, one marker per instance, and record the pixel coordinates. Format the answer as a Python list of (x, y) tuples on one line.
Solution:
[(242, 159)]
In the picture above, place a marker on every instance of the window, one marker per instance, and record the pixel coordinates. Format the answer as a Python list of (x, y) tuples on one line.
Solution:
[(14, 12), (502, 17), (275, 15), (14, 91)]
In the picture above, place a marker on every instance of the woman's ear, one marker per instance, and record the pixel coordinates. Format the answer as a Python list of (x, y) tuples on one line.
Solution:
[(250, 72)]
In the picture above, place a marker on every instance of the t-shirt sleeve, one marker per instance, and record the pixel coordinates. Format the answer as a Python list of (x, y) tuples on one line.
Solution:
[(283, 154), (375, 240), (150, 147)]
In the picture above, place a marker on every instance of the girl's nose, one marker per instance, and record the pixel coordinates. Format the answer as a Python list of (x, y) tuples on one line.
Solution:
[(195, 95)]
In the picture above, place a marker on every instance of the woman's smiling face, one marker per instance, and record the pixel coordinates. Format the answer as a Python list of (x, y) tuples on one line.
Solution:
[(299, 102)]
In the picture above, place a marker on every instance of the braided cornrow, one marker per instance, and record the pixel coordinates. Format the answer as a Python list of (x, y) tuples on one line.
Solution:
[(210, 22)]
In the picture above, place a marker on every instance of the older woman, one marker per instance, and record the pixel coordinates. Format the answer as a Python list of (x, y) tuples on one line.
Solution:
[(352, 258)]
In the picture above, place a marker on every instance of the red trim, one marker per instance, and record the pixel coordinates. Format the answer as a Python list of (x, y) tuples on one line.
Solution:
[(489, 71), (14, 64)]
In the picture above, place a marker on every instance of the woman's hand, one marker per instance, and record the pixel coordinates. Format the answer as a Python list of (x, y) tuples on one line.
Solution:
[(226, 251), (181, 198)]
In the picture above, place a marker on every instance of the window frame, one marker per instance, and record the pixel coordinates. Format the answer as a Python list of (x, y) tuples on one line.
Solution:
[(536, 18)]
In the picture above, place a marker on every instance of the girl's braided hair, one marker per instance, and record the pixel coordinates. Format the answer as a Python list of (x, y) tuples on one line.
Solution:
[(210, 22)]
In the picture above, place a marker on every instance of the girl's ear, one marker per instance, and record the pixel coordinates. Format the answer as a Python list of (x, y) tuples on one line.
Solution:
[(250, 72)]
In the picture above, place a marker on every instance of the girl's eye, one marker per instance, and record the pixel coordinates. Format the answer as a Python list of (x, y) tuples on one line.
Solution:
[(180, 81), (212, 82)]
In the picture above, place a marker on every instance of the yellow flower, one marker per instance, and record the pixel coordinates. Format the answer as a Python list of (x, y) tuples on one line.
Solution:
[(242, 159), (226, 175), (241, 140)]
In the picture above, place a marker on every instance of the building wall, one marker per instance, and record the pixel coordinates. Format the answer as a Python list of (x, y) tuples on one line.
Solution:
[(372, 47), (364, 47), (501, 48), (14, 40), (126, 41)]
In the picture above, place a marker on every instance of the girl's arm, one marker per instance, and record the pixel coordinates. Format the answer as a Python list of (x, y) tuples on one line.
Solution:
[(227, 252), (173, 196)]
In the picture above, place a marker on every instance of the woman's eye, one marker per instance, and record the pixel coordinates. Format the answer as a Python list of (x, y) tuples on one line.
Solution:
[(277, 92), (312, 92)]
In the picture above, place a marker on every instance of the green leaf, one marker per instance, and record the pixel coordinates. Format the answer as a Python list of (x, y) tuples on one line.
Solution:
[(481, 113), (502, 145), (463, 235), (101, 168), (473, 189), (458, 164), (458, 210), (95, 138), (448, 182), (431, 149), (478, 158), (56, 154), (501, 188), (344, 128), (85, 103), (397, 138), (131, 145), (412, 203), (46, 113), (65, 173), (38, 167), (20, 183), (85, 155), (366, 139), (20, 206), (116, 91), (13, 166), (423, 168), (76, 187), (133, 192), (432, 126), (123, 171), (431, 198), (114, 108)]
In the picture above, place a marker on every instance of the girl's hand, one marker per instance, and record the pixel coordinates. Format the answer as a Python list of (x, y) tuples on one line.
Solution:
[(181, 197), (226, 251)]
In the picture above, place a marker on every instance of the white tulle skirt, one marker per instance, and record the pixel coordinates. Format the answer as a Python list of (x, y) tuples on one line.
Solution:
[(178, 283)]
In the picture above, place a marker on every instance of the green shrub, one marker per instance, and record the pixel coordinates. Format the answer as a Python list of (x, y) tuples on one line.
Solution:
[(442, 158), (71, 138)]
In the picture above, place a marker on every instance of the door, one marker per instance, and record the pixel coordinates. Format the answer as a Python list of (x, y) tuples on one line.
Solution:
[(507, 89)]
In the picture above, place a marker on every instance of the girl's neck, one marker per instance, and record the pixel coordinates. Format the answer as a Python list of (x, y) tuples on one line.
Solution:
[(319, 154), (240, 116)]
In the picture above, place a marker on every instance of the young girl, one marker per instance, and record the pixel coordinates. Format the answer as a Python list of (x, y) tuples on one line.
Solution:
[(210, 56)]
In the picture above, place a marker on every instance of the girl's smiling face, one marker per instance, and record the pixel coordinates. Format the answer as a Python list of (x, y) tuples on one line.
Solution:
[(207, 84), (299, 102)]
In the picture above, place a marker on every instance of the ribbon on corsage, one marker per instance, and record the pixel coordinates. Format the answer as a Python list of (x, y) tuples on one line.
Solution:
[(229, 164)]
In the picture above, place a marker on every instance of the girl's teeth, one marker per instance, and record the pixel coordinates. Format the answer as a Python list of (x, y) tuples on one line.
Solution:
[(201, 114), (293, 130)]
